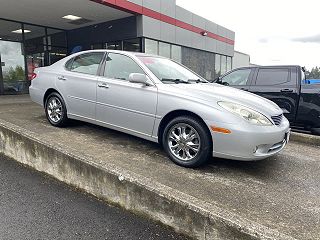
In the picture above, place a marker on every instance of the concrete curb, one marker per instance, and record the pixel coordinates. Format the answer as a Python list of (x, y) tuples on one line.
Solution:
[(184, 213), (305, 138)]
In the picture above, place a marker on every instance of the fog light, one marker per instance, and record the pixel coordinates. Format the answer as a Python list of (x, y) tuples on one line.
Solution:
[(255, 150)]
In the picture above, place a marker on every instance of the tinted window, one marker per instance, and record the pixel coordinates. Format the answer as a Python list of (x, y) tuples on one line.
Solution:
[(132, 45), (114, 45), (239, 77), (272, 76), (217, 65), (176, 53), (151, 47), (223, 64), (87, 63), (164, 49), (120, 67)]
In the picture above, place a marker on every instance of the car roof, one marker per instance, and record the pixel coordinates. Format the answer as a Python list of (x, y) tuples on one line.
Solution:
[(269, 66), (138, 54)]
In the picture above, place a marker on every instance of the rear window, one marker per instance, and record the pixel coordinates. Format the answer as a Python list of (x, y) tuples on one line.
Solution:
[(276, 76)]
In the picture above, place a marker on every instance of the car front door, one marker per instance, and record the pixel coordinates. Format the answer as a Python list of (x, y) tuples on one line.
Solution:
[(279, 84), (239, 78), (78, 82), (122, 104)]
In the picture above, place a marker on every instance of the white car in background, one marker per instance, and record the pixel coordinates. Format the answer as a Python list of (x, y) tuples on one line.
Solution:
[(162, 101)]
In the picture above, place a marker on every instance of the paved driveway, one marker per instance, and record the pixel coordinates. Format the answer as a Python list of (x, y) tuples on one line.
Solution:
[(282, 192)]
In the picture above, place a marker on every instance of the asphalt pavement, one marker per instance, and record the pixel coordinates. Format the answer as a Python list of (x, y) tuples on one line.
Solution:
[(35, 206)]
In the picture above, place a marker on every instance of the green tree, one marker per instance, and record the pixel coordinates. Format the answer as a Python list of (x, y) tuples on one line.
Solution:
[(314, 73), (15, 74)]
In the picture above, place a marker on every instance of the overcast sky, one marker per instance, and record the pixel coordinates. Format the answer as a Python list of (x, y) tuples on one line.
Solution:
[(271, 32), (11, 54)]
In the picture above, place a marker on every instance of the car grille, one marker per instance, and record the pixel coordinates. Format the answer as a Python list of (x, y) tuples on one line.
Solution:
[(277, 119)]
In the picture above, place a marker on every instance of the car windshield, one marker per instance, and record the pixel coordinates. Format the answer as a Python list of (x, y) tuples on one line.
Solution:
[(169, 71)]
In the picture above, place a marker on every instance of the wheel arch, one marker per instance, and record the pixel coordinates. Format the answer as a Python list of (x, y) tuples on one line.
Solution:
[(174, 114), (47, 93)]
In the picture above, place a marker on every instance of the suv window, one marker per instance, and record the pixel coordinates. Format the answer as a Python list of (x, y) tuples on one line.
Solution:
[(268, 76), (86, 63), (119, 66), (238, 77)]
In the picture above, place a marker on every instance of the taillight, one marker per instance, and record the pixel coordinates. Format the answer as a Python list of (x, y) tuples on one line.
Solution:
[(33, 76)]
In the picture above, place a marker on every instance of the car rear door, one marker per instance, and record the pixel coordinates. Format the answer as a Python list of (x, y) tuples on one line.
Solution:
[(122, 104), (278, 84), (77, 84), (239, 78)]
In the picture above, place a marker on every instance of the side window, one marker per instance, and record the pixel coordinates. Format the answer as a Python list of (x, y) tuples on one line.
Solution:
[(270, 76), (69, 64), (120, 67), (238, 77), (86, 63)]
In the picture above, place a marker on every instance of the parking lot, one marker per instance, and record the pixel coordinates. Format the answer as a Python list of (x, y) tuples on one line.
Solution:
[(281, 193)]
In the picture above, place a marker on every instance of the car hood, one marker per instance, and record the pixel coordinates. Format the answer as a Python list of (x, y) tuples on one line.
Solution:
[(212, 92)]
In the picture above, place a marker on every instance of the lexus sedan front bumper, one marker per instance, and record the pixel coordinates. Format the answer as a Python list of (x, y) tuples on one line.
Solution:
[(249, 142)]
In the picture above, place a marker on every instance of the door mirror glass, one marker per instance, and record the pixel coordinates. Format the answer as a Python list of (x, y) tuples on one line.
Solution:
[(139, 78)]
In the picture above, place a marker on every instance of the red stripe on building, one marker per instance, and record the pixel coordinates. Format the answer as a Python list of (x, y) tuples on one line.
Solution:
[(130, 7)]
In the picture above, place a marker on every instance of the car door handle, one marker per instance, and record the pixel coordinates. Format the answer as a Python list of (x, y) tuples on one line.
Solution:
[(103, 85), (244, 89), (62, 78), (286, 90)]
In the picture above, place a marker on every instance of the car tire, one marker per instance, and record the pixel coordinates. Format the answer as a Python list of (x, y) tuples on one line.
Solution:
[(56, 111), (187, 141)]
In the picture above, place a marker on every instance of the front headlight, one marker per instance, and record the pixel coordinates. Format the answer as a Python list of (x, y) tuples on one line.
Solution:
[(248, 114)]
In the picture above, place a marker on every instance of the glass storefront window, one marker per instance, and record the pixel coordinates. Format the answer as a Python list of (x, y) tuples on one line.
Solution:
[(164, 49), (223, 64), (56, 37), (24, 47), (35, 38), (114, 45), (35, 46), (151, 47), (132, 45), (12, 64), (56, 54), (176, 53), (96, 46), (12, 68), (57, 45), (10, 31), (217, 65), (229, 64)]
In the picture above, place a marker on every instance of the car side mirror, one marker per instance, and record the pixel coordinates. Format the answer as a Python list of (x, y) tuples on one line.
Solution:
[(139, 78)]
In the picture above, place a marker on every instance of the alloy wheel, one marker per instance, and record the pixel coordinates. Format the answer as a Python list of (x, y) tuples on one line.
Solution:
[(54, 109), (184, 141)]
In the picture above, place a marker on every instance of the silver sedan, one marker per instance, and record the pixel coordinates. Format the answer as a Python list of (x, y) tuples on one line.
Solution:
[(160, 100)]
